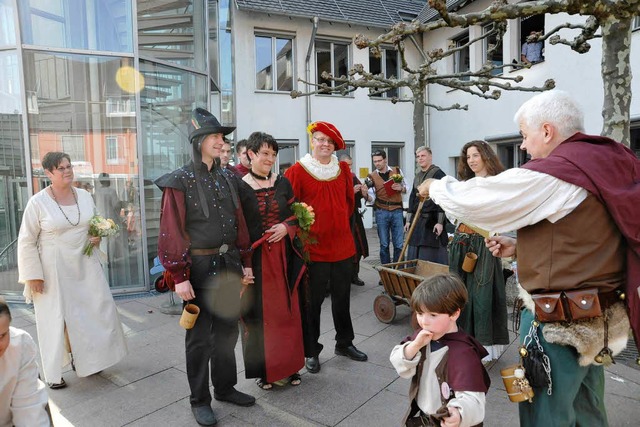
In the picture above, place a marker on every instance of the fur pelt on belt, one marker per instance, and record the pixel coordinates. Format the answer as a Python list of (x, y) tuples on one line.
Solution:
[(587, 336)]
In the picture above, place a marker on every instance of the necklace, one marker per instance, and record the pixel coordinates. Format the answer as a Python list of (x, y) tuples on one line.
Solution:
[(60, 207), (264, 178)]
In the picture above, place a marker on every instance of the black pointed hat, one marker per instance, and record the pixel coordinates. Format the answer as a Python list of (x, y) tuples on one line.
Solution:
[(205, 123)]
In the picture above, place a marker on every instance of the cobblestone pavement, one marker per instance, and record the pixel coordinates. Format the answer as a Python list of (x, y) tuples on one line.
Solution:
[(149, 387)]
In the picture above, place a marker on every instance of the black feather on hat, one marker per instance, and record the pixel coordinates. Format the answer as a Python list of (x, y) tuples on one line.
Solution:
[(205, 123)]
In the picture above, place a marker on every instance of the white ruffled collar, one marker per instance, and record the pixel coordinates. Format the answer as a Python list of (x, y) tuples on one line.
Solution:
[(321, 171)]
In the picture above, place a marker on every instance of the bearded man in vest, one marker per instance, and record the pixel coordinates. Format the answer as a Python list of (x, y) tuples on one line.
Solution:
[(387, 206), (578, 249), (429, 239)]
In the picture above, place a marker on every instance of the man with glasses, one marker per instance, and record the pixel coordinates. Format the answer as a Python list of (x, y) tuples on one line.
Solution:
[(324, 183), (386, 196)]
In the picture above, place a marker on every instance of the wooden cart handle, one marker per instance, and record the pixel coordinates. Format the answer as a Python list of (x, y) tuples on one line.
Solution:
[(413, 225)]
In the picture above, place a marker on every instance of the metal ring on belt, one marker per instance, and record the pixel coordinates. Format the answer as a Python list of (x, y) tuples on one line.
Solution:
[(213, 251)]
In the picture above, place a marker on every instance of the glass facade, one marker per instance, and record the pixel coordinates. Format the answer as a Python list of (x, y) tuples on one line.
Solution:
[(77, 24), (76, 84)]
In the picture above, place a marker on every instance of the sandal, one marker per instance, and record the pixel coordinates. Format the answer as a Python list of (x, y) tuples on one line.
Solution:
[(263, 384), (295, 379), (54, 386)]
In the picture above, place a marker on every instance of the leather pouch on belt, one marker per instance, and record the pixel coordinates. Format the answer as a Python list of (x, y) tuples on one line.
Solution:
[(583, 303), (549, 307)]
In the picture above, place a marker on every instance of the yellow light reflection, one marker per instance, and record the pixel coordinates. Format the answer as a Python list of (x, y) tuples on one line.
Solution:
[(129, 79)]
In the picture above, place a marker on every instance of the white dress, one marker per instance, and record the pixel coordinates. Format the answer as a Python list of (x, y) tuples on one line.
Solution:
[(76, 292)]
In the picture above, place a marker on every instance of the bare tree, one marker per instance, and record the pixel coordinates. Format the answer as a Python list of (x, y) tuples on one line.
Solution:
[(613, 19)]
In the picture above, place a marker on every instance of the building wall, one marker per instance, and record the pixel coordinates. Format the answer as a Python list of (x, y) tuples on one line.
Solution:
[(359, 118), (578, 74)]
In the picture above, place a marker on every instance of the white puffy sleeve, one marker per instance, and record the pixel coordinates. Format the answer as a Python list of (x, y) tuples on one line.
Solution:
[(29, 263)]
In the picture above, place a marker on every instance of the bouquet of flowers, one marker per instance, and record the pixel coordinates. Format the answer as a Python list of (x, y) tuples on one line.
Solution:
[(100, 227), (305, 216), (397, 178)]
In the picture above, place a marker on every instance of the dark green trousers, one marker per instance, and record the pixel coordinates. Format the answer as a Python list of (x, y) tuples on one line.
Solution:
[(578, 391)]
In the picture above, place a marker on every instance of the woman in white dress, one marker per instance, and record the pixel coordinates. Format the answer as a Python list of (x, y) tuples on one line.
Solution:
[(75, 312)]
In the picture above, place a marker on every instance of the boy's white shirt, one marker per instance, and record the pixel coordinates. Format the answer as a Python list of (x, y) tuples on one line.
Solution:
[(469, 403)]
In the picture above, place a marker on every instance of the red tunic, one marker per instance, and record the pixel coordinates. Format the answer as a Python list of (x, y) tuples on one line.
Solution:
[(333, 203)]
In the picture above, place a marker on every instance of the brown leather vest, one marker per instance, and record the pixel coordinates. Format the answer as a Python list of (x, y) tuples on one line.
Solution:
[(383, 200), (582, 250)]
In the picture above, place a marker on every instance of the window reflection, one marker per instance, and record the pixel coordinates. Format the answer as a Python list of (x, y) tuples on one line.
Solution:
[(287, 154), (7, 25), (167, 100), (72, 111), (13, 184), (77, 24), (332, 58), (173, 31), (269, 49)]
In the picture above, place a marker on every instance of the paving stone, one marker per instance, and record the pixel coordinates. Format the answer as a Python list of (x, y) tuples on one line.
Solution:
[(131, 402), (384, 409)]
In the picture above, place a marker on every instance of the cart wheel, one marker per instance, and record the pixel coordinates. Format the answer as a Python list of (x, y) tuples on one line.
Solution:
[(384, 308), (159, 285)]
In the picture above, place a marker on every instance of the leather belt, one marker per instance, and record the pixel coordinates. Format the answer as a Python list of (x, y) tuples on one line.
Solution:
[(387, 203), (464, 229), (213, 251)]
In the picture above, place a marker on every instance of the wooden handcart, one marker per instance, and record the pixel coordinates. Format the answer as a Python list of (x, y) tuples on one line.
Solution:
[(401, 278)]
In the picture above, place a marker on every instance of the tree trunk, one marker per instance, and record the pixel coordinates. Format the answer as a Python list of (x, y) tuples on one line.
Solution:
[(418, 118), (616, 77)]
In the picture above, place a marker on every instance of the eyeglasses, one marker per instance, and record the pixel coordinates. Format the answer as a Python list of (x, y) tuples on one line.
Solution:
[(63, 169), (323, 140)]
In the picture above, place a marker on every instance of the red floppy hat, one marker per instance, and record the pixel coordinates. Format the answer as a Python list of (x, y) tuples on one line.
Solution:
[(330, 130)]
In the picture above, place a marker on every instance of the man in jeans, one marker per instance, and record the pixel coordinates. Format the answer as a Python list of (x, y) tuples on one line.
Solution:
[(387, 205)]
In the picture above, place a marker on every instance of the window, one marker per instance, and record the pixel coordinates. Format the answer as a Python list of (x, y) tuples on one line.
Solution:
[(73, 145), (393, 150), (492, 49), (510, 154), (111, 148), (287, 155), (389, 66), (532, 51), (88, 24), (35, 148), (173, 31), (270, 51), (333, 58), (636, 23), (461, 60), (349, 150)]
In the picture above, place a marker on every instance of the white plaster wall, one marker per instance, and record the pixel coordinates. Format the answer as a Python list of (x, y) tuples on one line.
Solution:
[(579, 74), (358, 118)]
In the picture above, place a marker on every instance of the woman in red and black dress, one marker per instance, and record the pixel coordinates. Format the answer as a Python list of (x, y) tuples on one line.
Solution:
[(271, 326)]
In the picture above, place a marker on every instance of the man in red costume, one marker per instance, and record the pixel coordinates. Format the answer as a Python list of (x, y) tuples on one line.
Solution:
[(578, 246), (322, 182)]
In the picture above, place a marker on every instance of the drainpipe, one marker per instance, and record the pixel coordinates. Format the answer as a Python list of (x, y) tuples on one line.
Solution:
[(307, 71)]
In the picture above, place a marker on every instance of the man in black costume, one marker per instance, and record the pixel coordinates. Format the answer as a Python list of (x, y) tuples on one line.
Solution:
[(202, 236)]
